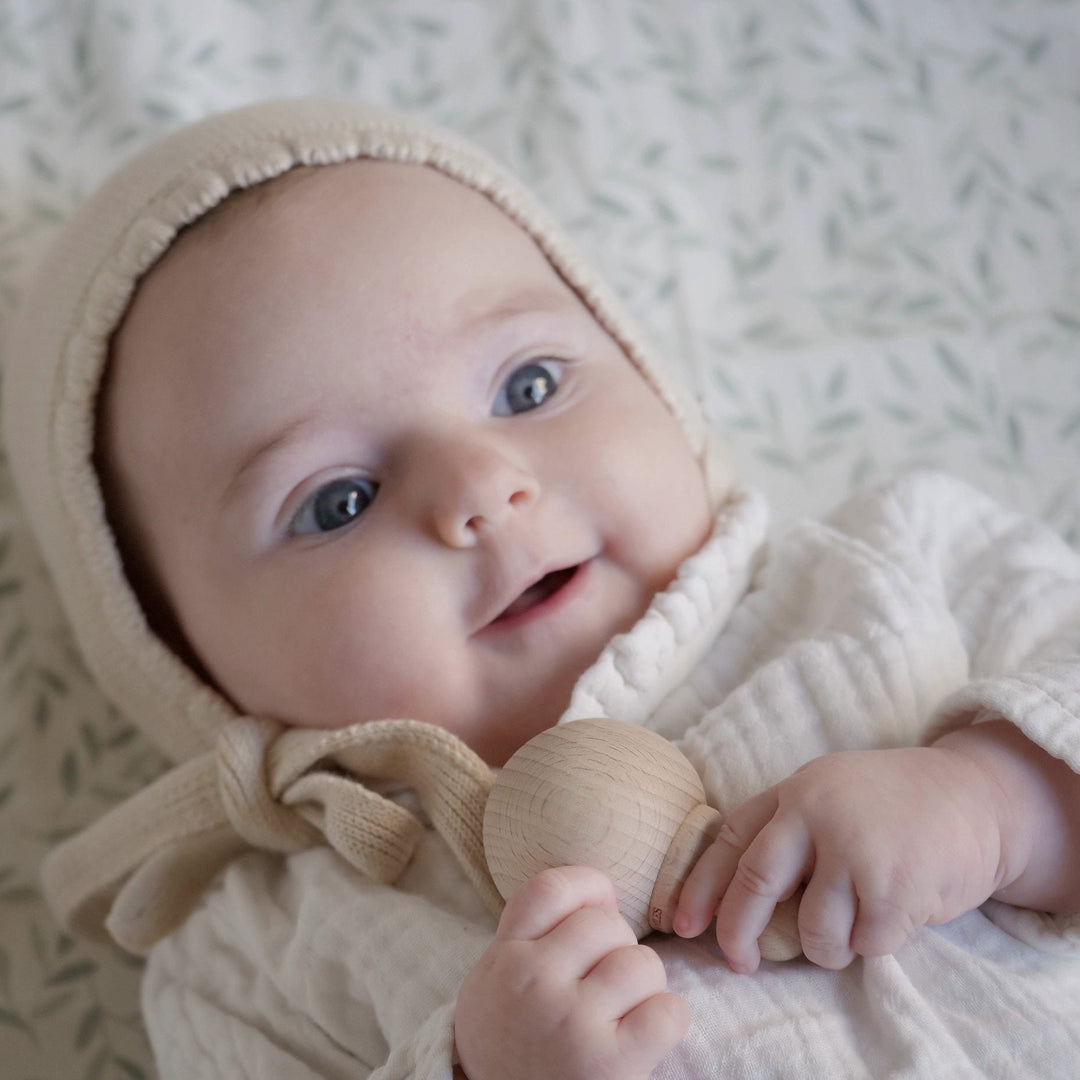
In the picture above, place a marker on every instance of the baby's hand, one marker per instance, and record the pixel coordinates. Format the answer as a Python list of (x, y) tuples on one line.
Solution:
[(886, 841), (565, 990)]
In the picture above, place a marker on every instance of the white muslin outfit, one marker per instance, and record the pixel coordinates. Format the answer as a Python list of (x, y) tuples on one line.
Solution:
[(914, 607)]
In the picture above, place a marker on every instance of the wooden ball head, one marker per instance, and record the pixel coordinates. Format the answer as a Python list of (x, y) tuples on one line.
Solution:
[(617, 797)]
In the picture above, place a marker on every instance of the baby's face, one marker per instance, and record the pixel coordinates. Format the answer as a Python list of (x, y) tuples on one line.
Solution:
[(384, 463)]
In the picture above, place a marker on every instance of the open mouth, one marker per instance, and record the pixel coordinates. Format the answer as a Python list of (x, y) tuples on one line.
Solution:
[(538, 593)]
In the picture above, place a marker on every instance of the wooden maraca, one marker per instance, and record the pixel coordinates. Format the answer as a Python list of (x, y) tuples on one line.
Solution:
[(622, 799)]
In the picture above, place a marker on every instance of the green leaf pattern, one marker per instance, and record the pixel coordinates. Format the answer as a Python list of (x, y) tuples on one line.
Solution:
[(854, 225)]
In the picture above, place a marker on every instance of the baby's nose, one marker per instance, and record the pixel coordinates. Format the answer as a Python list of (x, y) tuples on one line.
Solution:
[(476, 487)]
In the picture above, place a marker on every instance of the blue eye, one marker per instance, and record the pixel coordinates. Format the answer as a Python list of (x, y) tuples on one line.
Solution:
[(333, 506), (527, 387)]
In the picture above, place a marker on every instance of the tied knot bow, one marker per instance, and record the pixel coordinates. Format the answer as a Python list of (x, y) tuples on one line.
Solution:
[(138, 871)]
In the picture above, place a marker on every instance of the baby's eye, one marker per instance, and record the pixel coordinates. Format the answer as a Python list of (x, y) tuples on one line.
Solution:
[(527, 387), (334, 505)]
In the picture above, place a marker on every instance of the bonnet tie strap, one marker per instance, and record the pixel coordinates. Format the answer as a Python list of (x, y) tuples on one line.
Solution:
[(138, 871)]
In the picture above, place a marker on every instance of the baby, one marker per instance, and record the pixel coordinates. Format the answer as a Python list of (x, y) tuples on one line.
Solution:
[(377, 459), (372, 444)]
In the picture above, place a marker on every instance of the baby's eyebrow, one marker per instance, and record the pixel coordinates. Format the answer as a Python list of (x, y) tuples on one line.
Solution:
[(252, 459), (530, 301)]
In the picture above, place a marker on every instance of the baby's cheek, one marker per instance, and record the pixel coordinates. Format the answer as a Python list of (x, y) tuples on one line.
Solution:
[(661, 503), (386, 660)]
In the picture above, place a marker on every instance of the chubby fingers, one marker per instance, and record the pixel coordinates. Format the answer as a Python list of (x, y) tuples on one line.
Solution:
[(827, 914), (545, 900), (573, 913), (648, 1031), (758, 859), (628, 987), (713, 873), (623, 979)]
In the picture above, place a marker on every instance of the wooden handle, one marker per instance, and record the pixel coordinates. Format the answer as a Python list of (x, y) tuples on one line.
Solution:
[(618, 797), (695, 834)]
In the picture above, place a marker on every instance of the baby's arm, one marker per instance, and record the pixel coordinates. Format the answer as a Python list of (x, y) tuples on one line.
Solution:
[(887, 841), (565, 990)]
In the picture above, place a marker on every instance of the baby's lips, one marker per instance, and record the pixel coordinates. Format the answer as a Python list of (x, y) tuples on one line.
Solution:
[(539, 591), (510, 590)]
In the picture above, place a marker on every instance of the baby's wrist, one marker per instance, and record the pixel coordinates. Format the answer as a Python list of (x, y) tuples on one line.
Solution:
[(1001, 756)]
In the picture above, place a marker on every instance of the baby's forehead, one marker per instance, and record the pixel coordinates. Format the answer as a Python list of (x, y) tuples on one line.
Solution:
[(316, 186), (399, 203), (319, 238)]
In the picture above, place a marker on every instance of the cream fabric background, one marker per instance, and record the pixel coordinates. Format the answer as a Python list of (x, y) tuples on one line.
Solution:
[(854, 224)]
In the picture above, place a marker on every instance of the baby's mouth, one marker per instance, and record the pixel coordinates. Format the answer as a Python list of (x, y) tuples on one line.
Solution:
[(538, 592)]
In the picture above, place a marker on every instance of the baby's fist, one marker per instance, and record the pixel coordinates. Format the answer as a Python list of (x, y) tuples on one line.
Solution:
[(565, 990)]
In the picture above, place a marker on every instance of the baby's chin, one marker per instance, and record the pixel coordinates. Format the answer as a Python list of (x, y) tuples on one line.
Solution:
[(499, 743)]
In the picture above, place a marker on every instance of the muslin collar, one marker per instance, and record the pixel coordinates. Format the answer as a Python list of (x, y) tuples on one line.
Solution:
[(639, 668)]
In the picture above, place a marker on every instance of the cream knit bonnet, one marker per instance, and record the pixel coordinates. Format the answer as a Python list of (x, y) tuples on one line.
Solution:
[(237, 782)]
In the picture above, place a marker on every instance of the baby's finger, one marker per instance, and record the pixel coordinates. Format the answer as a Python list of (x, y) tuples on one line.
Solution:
[(826, 916), (649, 1031), (704, 886), (881, 927), (576, 945), (624, 979), (712, 873), (771, 869), (545, 900)]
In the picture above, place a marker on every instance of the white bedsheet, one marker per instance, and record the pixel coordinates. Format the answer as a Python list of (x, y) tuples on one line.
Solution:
[(854, 223)]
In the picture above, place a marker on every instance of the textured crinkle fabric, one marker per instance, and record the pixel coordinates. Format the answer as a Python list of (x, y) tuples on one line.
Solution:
[(864, 631), (138, 871)]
